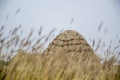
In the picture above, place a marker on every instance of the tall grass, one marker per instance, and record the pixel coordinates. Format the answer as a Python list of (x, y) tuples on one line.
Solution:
[(30, 63), (14, 42)]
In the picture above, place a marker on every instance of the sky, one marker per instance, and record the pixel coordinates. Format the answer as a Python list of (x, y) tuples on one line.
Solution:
[(84, 16)]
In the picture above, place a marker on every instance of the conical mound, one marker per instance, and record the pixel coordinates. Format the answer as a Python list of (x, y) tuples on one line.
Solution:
[(70, 41)]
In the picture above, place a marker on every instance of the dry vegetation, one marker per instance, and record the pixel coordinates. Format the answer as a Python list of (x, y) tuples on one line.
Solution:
[(31, 64)]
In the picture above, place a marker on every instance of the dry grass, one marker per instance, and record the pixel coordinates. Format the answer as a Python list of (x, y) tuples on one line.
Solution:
[(58, 66), (31, 64)]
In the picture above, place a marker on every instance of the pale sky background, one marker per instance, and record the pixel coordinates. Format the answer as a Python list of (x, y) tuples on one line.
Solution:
[(86, 14)]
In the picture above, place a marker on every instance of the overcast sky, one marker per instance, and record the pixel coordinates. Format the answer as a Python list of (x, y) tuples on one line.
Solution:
[(86, 16)]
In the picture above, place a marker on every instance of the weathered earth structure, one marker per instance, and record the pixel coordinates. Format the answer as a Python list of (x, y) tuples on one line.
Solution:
[(70, 42)]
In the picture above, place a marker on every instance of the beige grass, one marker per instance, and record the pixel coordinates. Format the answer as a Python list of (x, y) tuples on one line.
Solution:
[(31, 64), (59, 66)]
